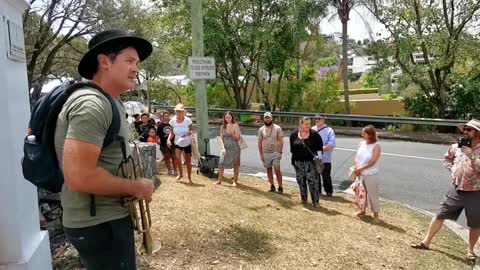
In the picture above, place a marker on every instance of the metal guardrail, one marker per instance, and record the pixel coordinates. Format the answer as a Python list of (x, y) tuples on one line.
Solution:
[(344, 117)]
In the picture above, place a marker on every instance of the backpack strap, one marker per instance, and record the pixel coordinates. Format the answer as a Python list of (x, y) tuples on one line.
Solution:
[(114, 128)]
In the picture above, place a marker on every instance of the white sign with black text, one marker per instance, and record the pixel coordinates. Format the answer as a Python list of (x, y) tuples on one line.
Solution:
[(201, 68)]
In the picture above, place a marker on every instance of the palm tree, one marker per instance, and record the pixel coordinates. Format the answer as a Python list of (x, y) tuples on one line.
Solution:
[(343, 8)]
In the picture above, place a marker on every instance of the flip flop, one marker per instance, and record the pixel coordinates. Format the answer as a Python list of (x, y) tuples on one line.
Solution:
[(419, 245), (471, 256)]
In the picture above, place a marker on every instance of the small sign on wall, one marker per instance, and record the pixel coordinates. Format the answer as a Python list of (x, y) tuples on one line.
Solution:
[(14, 40)]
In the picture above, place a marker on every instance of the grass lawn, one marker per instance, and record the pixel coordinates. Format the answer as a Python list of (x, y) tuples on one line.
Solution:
[(204, 226)]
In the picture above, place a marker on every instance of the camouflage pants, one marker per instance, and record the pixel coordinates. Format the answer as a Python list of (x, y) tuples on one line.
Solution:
[(307, 179)]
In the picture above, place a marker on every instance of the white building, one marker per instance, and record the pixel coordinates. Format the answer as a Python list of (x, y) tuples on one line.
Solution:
[(359, 64)]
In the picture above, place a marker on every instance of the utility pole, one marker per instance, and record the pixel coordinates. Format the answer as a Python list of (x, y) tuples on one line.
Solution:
[(199, 85)]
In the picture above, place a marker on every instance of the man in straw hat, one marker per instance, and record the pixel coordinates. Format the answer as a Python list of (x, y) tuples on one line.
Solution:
[(464, 166), (104, 237)]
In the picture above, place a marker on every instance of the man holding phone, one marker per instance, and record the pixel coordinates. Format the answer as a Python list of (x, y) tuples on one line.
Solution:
[(463, 161)]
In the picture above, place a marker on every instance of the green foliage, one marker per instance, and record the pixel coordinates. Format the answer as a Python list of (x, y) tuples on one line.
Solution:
[(308, 74), (392, 128), (464, 99), (388, 96), (428, 40), (327, 61), (291, 94), (360, 91), (371, 78), (218, 97), (321, 94), (417, 105), (163, 90)]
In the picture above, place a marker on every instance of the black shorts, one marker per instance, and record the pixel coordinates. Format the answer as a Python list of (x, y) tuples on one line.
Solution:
[(457, 200), (186, 149), (167, 150)]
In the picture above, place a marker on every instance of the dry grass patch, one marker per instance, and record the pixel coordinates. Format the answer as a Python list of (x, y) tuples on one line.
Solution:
[(204, 226)]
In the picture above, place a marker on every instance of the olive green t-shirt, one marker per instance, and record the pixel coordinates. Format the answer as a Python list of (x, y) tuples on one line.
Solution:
[(86, 116)]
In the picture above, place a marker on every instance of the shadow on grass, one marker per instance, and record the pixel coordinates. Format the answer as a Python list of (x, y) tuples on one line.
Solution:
[(282, 199), (248, 242), (191, 184), (382, 223), (457, 258), (337, 198), (323, 210)]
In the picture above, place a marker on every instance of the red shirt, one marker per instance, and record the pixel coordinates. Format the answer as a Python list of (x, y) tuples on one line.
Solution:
[(152, 140)]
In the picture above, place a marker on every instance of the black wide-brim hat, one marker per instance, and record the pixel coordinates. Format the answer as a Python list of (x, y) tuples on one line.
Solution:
[(102, 41)]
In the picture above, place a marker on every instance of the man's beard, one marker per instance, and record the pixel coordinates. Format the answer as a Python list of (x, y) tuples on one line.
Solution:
[(268, 123)]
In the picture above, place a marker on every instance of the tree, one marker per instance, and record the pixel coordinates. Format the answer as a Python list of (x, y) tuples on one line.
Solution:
[(425, 38), (343, 8), (56, 33), (245, 37)]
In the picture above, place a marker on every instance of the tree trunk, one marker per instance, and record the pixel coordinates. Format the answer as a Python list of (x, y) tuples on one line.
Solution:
[(345, 66)]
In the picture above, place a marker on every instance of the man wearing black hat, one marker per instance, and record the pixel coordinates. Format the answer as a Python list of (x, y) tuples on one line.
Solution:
[(104, 239), (329, 143)]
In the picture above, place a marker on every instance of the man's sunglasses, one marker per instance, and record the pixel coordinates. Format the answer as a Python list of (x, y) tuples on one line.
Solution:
[(467, 129)]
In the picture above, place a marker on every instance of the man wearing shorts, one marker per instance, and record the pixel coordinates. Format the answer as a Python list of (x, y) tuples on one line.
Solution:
[(163, 130), (270, 147), (464, 166)]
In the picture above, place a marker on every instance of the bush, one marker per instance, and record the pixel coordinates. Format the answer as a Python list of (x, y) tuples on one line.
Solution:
[(361, 91), (321, 95), (464, 100), (218, 96)]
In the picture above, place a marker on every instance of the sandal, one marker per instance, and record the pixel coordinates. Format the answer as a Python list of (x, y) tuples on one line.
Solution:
[(419, 245), (471, 256)]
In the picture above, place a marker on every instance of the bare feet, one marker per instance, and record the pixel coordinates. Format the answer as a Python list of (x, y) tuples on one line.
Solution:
[(218, 183), (178, 177), (234, 184)]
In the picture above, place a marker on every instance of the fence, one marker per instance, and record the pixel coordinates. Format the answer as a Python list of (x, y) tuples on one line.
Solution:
[(342, 117)]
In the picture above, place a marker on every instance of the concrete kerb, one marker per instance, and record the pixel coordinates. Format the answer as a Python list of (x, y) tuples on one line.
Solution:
[(458, 229)]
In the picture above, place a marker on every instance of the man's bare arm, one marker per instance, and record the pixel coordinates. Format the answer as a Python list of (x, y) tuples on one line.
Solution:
[(82, 174)]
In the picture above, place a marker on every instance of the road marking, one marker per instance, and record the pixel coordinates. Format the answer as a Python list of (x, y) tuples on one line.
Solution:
[(394, 155)]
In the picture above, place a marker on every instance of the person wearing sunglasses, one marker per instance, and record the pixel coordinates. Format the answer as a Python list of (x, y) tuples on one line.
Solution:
[(464, 165)]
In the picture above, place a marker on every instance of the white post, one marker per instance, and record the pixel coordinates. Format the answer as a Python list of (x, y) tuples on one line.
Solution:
[(22, 245)]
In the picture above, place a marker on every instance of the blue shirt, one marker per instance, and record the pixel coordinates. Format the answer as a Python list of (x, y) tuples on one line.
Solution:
[(328, 138)]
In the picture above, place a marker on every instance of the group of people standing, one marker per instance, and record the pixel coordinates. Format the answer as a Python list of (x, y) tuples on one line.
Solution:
[(175, 137), (306, 143)]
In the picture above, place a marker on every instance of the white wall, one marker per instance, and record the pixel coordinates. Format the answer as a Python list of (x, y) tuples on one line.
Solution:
[(22, 244)]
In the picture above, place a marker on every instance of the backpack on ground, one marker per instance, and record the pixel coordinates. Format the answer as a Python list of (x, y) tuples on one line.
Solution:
[(40, 164)]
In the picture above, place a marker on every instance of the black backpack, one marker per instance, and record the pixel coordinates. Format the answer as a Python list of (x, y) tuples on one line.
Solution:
[(40, 164)]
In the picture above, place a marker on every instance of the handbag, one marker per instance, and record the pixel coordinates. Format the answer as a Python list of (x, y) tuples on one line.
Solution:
[(316, 160), (360, 192), (351, 174), (195, 153), (242, 143)]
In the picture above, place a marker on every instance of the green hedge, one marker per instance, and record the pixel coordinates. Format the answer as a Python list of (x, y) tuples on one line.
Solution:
[(360, 91)]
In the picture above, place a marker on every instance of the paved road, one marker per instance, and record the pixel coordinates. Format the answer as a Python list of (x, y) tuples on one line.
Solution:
[(411, 173)]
